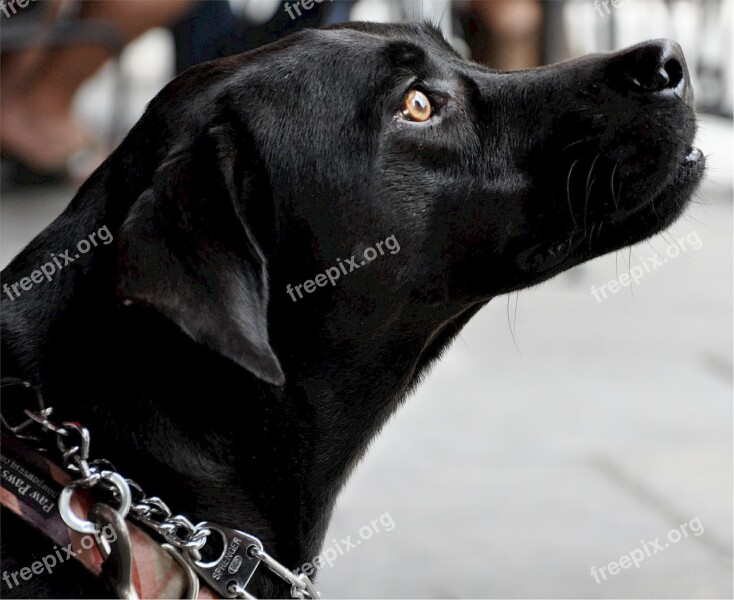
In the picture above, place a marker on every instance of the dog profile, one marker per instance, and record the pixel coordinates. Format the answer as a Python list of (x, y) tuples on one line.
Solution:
[(179, 345)]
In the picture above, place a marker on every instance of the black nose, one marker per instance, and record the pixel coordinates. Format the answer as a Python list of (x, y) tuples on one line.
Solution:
[(655, 67)]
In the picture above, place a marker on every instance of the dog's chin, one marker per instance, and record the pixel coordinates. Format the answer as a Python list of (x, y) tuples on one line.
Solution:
[(619, 229)]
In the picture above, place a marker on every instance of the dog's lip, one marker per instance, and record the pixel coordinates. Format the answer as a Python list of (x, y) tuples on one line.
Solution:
[(690, 167), (667, 200), (549, 254), (546, 255)]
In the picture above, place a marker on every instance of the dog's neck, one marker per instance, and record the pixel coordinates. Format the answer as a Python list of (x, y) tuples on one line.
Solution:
[(199, 431)]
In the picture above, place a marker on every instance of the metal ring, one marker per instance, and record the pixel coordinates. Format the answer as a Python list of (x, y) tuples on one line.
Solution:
[(38, 416), (198, 540), (82, 525), (136, 490), (201, 562)]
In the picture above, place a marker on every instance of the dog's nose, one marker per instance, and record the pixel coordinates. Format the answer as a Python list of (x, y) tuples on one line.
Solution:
[(656, 67)]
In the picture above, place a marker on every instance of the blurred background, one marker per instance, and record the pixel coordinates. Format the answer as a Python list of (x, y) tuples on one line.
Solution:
[(561, 432)]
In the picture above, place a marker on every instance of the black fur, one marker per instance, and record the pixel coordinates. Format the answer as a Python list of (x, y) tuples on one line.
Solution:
[(178, 345)]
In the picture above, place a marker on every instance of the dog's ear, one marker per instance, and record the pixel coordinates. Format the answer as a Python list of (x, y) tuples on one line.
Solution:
[(186, 249)]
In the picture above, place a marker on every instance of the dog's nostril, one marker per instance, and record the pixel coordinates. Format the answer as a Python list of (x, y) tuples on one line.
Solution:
[(653, 67), (673, 73), (653, 82)]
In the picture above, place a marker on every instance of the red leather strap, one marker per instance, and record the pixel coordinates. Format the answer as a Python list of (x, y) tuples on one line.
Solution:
[(31, 485)]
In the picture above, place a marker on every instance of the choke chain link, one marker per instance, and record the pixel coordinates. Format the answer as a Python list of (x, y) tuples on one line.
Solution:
[(73, 439)]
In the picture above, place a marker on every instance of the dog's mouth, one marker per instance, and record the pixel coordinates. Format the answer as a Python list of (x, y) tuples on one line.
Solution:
[(618, 220)]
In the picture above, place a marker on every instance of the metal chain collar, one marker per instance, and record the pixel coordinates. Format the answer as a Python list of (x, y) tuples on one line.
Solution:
[(72, 440)]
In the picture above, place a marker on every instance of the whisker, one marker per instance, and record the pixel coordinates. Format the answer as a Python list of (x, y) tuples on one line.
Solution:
[(611, 182), (693, 219), (588, 189), (591, 234), (591, 139), (655, 212), (586, 204), (629, 268), (512, 333), (669, 240), (568, 193), (649, 243), (591, 170)]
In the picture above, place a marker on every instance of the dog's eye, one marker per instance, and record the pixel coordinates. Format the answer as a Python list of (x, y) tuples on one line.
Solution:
[(417, 107)]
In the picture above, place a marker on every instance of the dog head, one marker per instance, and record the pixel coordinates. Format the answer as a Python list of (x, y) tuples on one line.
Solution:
[(275, 166)]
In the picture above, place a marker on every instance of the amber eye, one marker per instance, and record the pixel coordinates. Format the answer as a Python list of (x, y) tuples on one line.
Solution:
[(417, 107)]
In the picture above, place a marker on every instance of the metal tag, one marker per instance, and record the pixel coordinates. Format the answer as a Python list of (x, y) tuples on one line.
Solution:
[(234, 567)]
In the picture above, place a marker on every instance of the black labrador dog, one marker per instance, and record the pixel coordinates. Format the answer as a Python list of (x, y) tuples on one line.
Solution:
[(293, 235)]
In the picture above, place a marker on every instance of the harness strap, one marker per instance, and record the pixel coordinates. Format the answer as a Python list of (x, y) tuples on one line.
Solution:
[(30, 487)]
